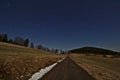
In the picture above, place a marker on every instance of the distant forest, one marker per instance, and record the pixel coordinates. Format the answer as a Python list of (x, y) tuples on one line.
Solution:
[(26, 43), (94, 50)]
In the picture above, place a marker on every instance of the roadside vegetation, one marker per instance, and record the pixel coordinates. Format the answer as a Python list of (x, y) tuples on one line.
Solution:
[(19, 59), (19, 63), (102, 68)]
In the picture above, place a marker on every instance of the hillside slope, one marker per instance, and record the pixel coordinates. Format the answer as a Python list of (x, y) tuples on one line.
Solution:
[(93, 50), (19, 63)]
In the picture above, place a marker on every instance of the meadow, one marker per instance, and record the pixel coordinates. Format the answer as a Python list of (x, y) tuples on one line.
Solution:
[(19, 63), (102, 68)]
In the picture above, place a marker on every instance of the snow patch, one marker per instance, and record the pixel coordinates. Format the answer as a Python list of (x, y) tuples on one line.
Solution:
[(61, 60), (42, 72)]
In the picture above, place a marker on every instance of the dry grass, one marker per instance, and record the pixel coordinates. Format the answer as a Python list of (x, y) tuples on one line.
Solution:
[(99, 67), (19, 63)]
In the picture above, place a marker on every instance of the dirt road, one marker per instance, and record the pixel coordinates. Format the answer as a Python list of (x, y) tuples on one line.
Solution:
[(67, 70)]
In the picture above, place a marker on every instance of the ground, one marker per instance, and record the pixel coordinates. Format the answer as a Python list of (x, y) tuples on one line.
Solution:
[(99, 67), (67, 70), (20, 63)]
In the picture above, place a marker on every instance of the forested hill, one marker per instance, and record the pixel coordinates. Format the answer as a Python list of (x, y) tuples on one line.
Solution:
[(94, 50)]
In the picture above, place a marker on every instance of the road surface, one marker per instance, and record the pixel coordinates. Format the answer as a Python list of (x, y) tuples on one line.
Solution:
[(67, 70)]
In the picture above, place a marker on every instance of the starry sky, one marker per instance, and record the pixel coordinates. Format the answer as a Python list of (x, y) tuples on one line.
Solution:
[(63, 24)]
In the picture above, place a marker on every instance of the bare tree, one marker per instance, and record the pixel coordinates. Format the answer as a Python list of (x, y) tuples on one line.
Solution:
[(26, 42), (31, 45), (4, 37), (19, 41)]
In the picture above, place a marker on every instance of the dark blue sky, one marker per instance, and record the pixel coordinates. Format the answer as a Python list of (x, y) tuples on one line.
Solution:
[(63, 24)]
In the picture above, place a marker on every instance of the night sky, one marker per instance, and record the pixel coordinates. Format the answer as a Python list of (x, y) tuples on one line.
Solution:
[(63, 24)]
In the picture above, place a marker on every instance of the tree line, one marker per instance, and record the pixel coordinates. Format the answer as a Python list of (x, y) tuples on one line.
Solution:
[(17, 40), (26, 43), (94, 50)]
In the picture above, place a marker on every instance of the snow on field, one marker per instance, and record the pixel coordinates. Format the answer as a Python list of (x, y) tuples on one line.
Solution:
[(42, 72)]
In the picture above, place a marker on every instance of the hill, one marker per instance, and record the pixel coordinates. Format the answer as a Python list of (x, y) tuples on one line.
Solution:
[(19, 63), (93, 50)]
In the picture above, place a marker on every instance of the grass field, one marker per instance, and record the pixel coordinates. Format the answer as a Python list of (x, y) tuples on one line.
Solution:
[(19, 63), (99, 67)]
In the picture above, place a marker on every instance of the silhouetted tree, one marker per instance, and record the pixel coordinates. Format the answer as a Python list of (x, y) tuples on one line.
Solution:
[(3, 38), (26, 42), (53, 50), (31, 45), (10, 41), (39, 46), (56, 50), (19, 41), (63, 52), (47, 49)]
